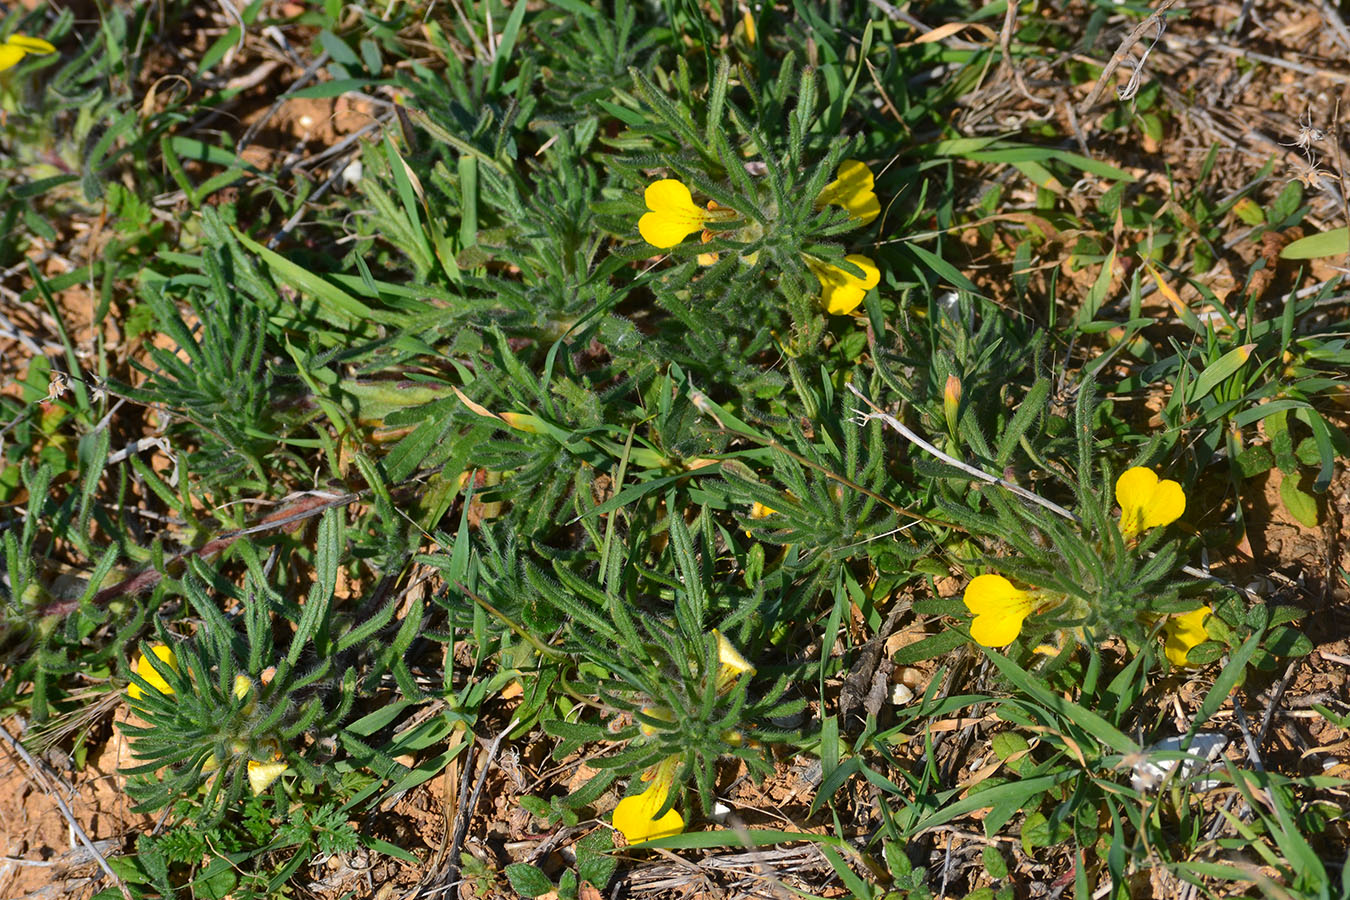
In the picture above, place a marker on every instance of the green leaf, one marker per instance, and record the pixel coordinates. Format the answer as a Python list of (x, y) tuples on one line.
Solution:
[(339, 49), (505, 45), (1300, 504), (528, 880), (1281, 441), (1230, 676), (1038, 832), (1287, 642), (1219, 370), (994, 863), (216, 881), (1018, 792), (345, 309), (326, 90), (1255, 460), (1089, 721), (190, 148), (1008, 743), (928, 648), (1327, 243), (597, 868)]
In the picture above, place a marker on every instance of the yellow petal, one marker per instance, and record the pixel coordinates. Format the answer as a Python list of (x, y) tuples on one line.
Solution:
[(665, 232), (760, 511), (999, 608), (262, 774), (242, 685), (997, 629), (1166, 505), (670, 196), (1145, 502), (991, 594), (635, 817), (1183, 633), (852, 191), (840, 291), (864, 207), (146, 670), (10, 56), (673, 214), (30, 44), (729, 656), (732, 664)]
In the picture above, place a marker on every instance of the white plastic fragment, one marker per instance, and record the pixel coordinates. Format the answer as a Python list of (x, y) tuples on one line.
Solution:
[(1205, 748)]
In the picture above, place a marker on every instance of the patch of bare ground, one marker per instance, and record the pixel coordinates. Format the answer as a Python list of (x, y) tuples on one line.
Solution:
[(42, 855)]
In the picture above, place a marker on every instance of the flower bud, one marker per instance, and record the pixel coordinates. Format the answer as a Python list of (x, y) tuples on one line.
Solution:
[(951, 403)]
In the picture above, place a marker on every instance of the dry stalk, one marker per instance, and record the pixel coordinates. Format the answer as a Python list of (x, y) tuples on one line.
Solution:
[(1119, 56)]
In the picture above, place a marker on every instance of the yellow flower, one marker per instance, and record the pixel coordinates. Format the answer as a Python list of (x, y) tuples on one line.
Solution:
[(636, 817), (17, 46), (1183, 633), (840, 291), (1145, 502), (673, 214), (999, 608), (262, 774), (760, 511), (731, 664), (146, 670), (852, 192)]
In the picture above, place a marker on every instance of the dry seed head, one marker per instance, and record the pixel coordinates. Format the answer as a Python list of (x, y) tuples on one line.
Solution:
[(1308, 135)]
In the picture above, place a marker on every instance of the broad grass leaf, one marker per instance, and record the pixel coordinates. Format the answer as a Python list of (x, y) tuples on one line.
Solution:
[(1327, 243)]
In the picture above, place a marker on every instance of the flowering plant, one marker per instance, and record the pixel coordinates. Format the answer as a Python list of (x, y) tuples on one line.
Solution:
[(748, 239), (222, 713)]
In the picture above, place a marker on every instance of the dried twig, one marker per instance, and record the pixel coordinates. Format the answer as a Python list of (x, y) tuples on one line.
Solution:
[(1119, 56), (1244, 53), (465, 812), (1332, 16), (305, 77), (1275, 697), (878, 413), (900, 15), (1005, 47), (1253, 751)]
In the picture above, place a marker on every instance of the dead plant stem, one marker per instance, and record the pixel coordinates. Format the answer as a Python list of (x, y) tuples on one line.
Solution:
[(1119, 56)]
